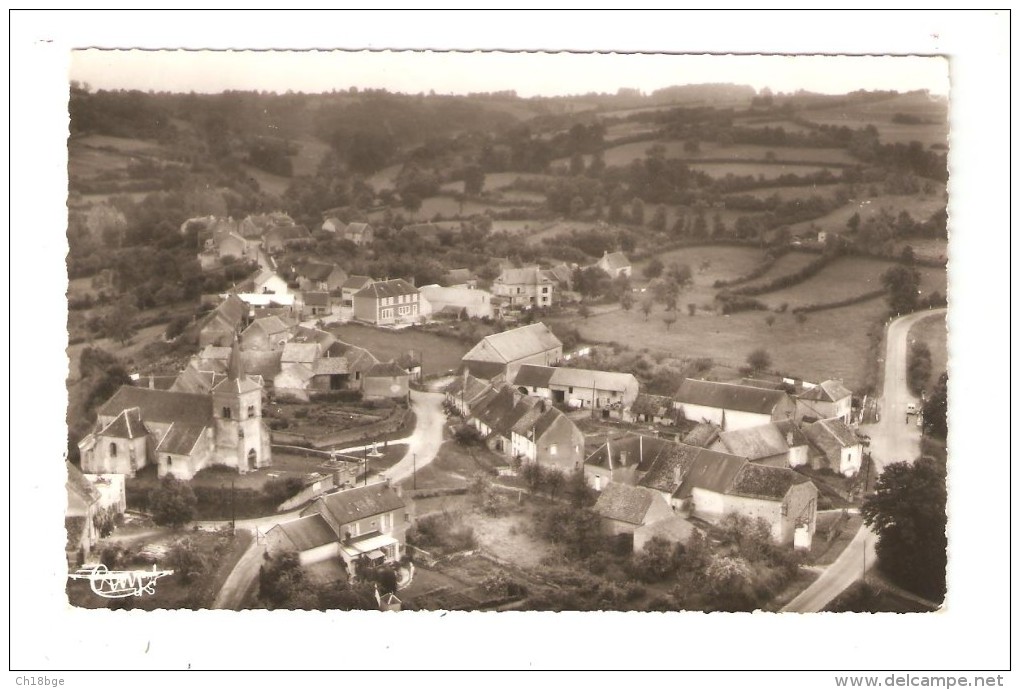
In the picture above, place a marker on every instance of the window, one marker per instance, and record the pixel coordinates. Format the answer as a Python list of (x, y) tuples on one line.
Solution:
[(545, 290), (553, 449), (169, 461), (226, 413), (251, 410), (113, 450), (240, 434)]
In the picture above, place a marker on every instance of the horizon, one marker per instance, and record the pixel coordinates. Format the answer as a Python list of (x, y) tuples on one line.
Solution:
[(462, 73)]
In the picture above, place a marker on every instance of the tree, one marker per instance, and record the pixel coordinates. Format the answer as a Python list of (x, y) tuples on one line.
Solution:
[(627, 301), (637, 212), (187, 561), (474, 180), (658, 222), (654, 268), (908, 511), (759, 360), (918, 367), (578, 489), (658, 560), (282, 581), (669, 319), (901, 284), (120, 322), (172, 503), (554, 481), (935, 409), (646, 306), (576, 164)]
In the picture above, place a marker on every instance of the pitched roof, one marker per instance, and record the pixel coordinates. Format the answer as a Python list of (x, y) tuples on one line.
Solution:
[(675, 529), (762, 481), (265, 276), (529, 275), (702, 434), (303, 334), (160, 406), (300, 352), (533, 375), (831, 436), (355, 282), (79, 486), (385, 369), (316, 271), (229, 312), (357, 228), (684, 468), (493, 410), (268, 325), (756, 442), (629, 450), (625, 503), (729, 396), (587, 378), (308, 532), (357, 357), (365, 501), (517, 343), (128, 424), (826, 391), (551, 416), (180, 439), (331, 365), (387, 288), (316, 299), (616, 261)]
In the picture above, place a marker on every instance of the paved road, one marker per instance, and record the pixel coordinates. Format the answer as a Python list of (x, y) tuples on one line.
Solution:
[(423, 444), (892, 440)]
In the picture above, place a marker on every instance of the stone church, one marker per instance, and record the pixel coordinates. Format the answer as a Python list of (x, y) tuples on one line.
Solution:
[(181, 433)]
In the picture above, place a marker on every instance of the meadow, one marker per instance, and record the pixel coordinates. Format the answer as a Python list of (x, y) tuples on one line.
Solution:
[(932, 331), (768, 171), (920, 207), (439, 354), (933, 112)]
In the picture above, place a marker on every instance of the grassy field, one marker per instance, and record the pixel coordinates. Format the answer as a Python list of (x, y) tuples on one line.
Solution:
[(845, 278), (880, 114), (447, 207), (787, 193), (520, 227), (268, 182), (919, 206), (933, 332), (439, 354), (625, 153), (787, 125), (786, 264), (769, 171), (708, 264), (628, 129), (829, 344), (308, 157), (924, 248)]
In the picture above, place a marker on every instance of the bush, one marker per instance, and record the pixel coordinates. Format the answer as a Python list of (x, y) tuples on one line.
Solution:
[(172, 503), (444, 532), (467, 435), (278, 490)]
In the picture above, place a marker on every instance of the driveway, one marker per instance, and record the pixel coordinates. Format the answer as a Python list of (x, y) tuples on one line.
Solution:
[(894, 438)]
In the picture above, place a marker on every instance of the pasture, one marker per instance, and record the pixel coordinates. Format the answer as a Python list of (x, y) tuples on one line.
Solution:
[(790, 262), (829, 344), (827, 191), (625, 153), (268, 182), (309, 155), (932, 111), (439, 354), (768, 171), (708, 264), (447, 207), (920, 207), (845, 278)]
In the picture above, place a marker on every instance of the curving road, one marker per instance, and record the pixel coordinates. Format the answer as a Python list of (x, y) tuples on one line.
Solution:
[(423, 445), (894, 438)]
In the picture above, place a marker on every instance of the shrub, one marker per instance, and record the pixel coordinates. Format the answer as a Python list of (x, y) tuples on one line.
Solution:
[(277, 490), (444, 532)]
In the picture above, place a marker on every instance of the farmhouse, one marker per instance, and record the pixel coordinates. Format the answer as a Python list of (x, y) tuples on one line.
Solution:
[(268, 333), (314, 276), (524, 287), (624, 508), (465, 391), (268, 283), (827, 400), (387, 302), (779, 444), (352, 286), (503, 354), (580, 388), (315, 304), (709, 485), (841, 449), (181, 433), (624, 460), (615, 264), (732, 406), (385, 380), (223, 323), (368, 521)]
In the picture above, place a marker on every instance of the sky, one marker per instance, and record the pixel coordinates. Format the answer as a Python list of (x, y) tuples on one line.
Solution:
[(527, 73)]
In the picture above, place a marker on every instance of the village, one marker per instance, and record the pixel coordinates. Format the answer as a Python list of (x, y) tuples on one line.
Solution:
[(476, 487)]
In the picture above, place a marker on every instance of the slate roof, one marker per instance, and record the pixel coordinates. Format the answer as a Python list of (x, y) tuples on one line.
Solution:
[(128, 424), (762, 481), (160, 406), (387, 288), (492, 410), (308, 532), (685, 467), (180, 439), (385, 369), (624, 503), (517, 343), (231, 310), (316, 299), (551, 416), (729, 396), (331, 365), (533, 375), (365, 501), (826, 391)]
